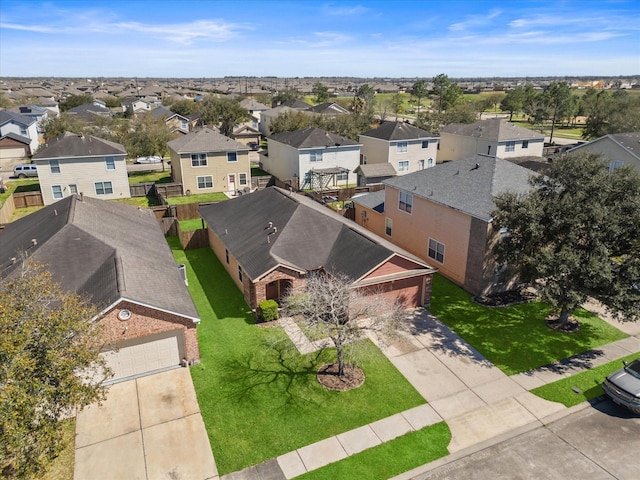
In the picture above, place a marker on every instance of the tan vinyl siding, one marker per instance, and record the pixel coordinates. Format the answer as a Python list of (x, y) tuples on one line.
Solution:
[(217, 167)]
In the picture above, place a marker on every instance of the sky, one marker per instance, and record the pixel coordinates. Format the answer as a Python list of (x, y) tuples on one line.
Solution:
[(312, 38)]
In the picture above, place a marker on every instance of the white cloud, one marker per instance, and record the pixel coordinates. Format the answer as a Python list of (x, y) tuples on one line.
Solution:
[(344, 11), (475, 21)]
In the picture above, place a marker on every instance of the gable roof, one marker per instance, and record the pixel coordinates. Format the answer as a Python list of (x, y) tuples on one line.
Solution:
[(161, 113), (6, 116), (296, 104), (376, 170), (329, 108), (303, 235), (628, 141), (397, 131), (105, 250), (495, 129), (467, 185), (73, 145), (90, 108), (311, 137), (251, 104), (205, 140), (17, 138)]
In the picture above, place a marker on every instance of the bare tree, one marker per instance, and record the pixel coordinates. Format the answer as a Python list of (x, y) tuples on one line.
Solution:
[(333, 308)]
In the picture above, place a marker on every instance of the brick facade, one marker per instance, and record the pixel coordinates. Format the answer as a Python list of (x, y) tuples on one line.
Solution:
[(147, 321)]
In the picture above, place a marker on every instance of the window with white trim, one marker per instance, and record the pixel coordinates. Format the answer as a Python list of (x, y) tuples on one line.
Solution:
[(403, 166), (388, 226), (243, 178), (430, 163), (56, 191), (103, 188), (425, 143), (510, 147), (232, 157), (73, 189), (406, 202), (54, 166), (401, 147), (205, 181), (198, 159), (110, 163), (525, 144), (436, 250), (315, 155), (421, 164)]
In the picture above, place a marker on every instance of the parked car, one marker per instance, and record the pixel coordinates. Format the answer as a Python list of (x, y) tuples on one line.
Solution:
[(254, 146), (25, 170), (623, 386), (152, 159)]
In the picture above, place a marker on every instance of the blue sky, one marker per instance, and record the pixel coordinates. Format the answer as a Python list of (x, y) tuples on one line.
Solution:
[(313, 38)]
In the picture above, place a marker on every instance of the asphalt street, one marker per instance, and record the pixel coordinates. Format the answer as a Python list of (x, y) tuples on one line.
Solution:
[(597, 443)]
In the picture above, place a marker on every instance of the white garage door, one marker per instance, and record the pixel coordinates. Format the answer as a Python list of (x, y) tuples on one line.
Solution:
[(143, 358)]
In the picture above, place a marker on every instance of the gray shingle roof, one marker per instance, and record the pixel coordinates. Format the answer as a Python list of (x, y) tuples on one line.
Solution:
[(397, 131), (493, 129), (7, 116), (308, 236), (296, 104), (467, 185), (17, 138), (628, 141), (251, 104), (329, 108), (376, 170), (311, 137), (372, 200), (105, 250), (205, 140), (74, 145)]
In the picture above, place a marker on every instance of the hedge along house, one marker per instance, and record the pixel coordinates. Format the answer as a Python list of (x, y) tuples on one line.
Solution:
[(270, 240), (116, 256)]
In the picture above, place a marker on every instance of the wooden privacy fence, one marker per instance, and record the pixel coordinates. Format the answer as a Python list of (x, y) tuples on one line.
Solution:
[(27, 199), (141, 189)]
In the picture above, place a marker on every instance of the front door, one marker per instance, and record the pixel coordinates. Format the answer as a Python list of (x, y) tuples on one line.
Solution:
[(232, 182)]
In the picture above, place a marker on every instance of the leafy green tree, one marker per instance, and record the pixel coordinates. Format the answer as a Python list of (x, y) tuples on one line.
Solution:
[(285, 96), (184, 107), (611, 113), (74, 101), (419, 91), (51, 127), (576, 234), (292, 120), (112, 102), (4, 101), (397, 104), (447, 92), (513, 101), (558, 97), (224, 112), (49, 358), (320, 92)]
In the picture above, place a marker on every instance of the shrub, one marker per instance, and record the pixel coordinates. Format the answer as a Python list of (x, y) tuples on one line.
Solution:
[(268, 310)]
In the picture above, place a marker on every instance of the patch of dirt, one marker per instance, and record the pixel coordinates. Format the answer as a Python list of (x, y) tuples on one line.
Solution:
[(571, 326), (328, 377), (505, 299)]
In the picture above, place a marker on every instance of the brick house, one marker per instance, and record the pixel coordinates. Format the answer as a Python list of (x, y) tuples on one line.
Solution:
[(270, 240), (116, 256)]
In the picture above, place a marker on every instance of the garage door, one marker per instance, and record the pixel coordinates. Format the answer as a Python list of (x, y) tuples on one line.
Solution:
[(143, 358)]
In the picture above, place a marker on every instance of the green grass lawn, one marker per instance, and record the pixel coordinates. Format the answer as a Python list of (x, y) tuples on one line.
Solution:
[(193, 224), (18, 186), (23, 212), (515, 339), (589, 382), (258, 172), (143, 202), (204, 197), (259, 398), (152, 176), (389, 459)]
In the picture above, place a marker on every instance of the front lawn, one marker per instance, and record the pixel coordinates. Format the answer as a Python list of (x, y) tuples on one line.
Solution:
[(515, 339), (588, 382), (259, 398)]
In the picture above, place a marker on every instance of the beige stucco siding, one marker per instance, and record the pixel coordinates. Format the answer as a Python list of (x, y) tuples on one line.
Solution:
[(218, 168), (83, 172)]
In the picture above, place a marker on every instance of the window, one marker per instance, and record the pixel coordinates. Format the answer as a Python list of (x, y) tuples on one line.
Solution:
[(232, 157), (406, 202), (103, 188), (226, 254), (206, 181), (436, 250), (343, 176), (111, 163), (315, 155), (421, 164), (403, 166), (23, 131), (183, 124), (239, 273), (54, 165), (525, 144), (388, 226), (401, 147), (73, 189), (243, 179), (56, 190), (430, 163), (199, 160), (425, 143), (510, 147), (364, 159), (614, 165)]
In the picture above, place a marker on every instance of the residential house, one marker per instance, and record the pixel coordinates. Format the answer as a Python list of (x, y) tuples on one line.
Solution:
[(11, 122), (255, 109), (205, 161), (270, 240), (14, 149), (138, 105), (71, 164), (88, 112), (617, 149), (268, 116), (116, 256), (443, 215), (174, 121), (494, 136), (38, 113), (315, 158), (331, 109), (405, 147), (246, 135)]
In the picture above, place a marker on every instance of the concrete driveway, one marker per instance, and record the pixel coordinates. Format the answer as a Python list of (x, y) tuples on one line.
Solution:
[(148, 428)]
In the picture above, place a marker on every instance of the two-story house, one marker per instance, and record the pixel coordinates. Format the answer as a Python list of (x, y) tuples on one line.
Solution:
[(255, 109), (407, 148), (616, 149), (205, 161), (315, 158), (82, 164), (494, 136), (26, 127), (443, 215)]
